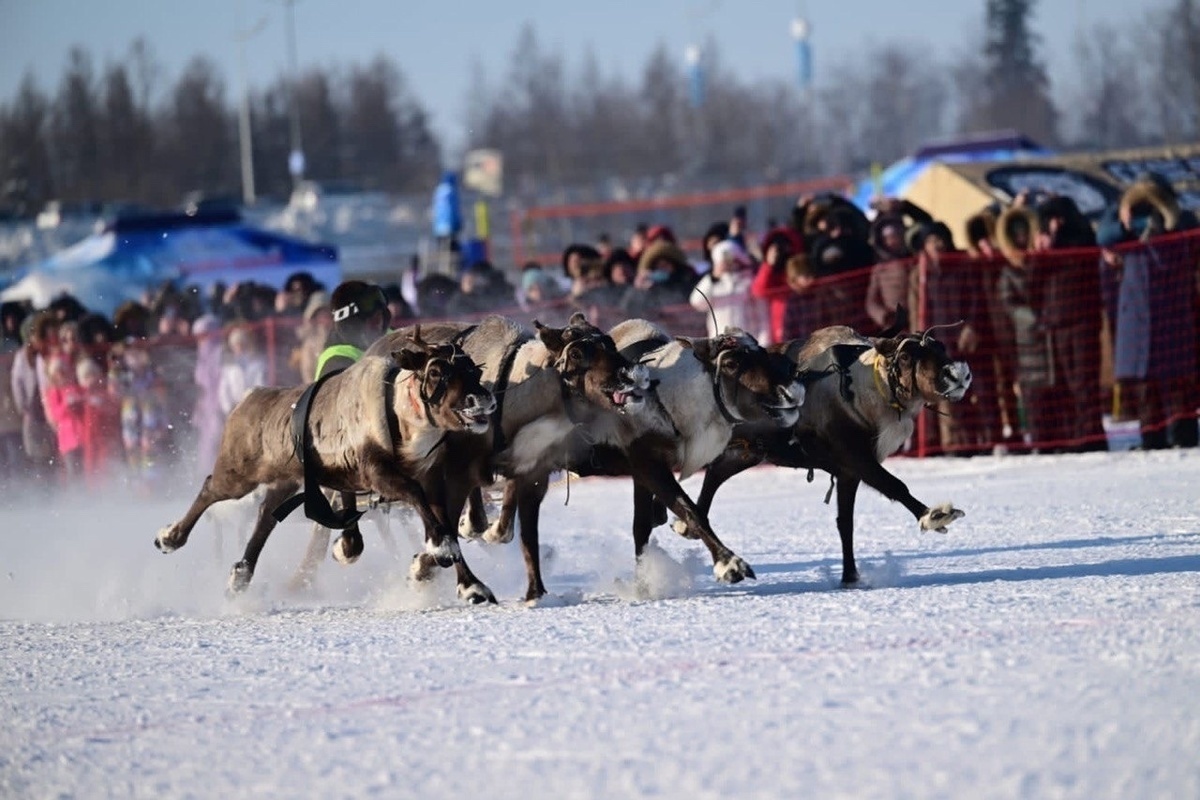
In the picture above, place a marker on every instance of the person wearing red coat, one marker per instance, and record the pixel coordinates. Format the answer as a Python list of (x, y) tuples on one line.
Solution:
[(101, 422), (770, 282)]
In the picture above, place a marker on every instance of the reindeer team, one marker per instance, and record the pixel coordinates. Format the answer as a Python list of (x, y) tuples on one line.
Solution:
[(434, 414)]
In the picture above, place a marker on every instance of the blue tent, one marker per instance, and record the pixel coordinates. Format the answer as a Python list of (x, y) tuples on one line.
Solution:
[(134, 254)]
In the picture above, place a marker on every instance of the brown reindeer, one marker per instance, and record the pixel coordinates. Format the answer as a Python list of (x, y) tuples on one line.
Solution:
[(702, 388), (863, 398), (381, 426), (548, 383)]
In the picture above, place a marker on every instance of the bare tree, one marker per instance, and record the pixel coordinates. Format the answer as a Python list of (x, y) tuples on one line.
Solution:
[(1107, 109), (201, 149), (26, 182), (74, 126)]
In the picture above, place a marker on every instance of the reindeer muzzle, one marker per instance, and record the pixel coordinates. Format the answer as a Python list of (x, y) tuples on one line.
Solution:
[(635, 384), (477, 410), (786, 411), (954, 380)]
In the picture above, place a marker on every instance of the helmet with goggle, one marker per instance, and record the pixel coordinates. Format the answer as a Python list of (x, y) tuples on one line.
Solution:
[(358, 300)]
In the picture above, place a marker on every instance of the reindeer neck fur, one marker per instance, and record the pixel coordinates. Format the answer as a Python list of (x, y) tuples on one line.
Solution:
[(685, 391), (535, 420), (419, 439)]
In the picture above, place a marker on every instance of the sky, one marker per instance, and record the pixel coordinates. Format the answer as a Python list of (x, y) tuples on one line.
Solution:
[(435, 43), (1045, 646)]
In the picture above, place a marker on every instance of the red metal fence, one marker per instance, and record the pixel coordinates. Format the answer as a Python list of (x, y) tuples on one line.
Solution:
[(1071, 351)]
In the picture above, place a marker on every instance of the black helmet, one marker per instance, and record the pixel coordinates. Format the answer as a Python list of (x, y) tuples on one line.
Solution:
[(357, 300)]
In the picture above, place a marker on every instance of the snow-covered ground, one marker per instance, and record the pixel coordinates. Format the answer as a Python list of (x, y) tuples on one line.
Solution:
[(1047, 646)]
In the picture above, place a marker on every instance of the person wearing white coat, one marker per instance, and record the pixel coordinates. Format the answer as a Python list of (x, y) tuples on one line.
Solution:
[(727, 287)]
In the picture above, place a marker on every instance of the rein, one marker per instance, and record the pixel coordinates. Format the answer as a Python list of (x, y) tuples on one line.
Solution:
[(500, 388), (316, 504), (717, 395), (888, 386)]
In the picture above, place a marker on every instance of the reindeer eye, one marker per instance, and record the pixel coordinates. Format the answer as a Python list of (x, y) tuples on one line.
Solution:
[(434, 371), (574, 354), (729, 364)]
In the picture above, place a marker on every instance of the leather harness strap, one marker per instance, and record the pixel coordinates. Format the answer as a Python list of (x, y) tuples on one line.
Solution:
[(500, 388), (316, 504)]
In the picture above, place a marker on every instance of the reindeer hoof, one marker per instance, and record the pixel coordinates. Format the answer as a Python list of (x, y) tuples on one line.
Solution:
[(476, 594), (681, 527), (239, 577), (733, 569), (466, 530), (494, 534), (166, 540), (445, 553), (348, 547), (938, 517), (422, 567)]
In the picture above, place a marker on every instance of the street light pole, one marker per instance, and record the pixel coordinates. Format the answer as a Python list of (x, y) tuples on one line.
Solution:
[(296, 157), (245, 133)]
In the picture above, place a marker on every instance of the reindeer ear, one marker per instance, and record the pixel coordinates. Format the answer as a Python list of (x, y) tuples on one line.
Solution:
[(702, 349), (886, 347), (578, 320), (411, 360), (551, 337)]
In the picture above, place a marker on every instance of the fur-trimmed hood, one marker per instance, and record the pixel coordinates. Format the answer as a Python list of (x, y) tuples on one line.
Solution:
[(1004, 233), (981, 225)]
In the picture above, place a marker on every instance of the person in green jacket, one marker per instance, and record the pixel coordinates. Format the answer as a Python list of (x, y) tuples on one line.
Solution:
[(360, 316)]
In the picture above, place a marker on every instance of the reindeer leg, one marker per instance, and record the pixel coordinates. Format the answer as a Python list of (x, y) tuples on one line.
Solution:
[(726, 465), (318, 546), (876, 476), (847, 491), (657, 477), (475, 523), (643, 518), (528, 499), (243, 571), (349, 546), (501, 531), (441, 546), (470, 588), (176, 535)]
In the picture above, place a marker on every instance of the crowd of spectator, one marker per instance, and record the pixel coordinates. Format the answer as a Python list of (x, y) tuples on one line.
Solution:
[(1033, 298)]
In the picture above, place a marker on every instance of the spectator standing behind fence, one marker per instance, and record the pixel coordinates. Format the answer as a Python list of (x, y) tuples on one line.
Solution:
[(1064, 290), (315, 325), (770, 283), (888, 285), (245, 368), (101, 422), (207, 418), (727, 288), (664, 279), (65, 406), (11, 453), (1150, 293), (950, 296), (140, 391), (37, 437), (989, 264), (1042, 402)]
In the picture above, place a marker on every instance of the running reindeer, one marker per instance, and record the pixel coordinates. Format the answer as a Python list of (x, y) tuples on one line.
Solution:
[(863, 398), (377, 427), (702, 388)]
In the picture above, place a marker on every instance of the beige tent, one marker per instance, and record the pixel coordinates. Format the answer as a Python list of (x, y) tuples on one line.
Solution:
[(953, 192)]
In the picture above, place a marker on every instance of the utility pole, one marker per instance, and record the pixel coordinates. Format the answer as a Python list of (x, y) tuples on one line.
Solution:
[(296, 156), (241, 36)]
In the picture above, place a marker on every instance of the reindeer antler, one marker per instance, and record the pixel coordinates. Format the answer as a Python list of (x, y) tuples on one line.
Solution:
[(416, 338), (925, 333)]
